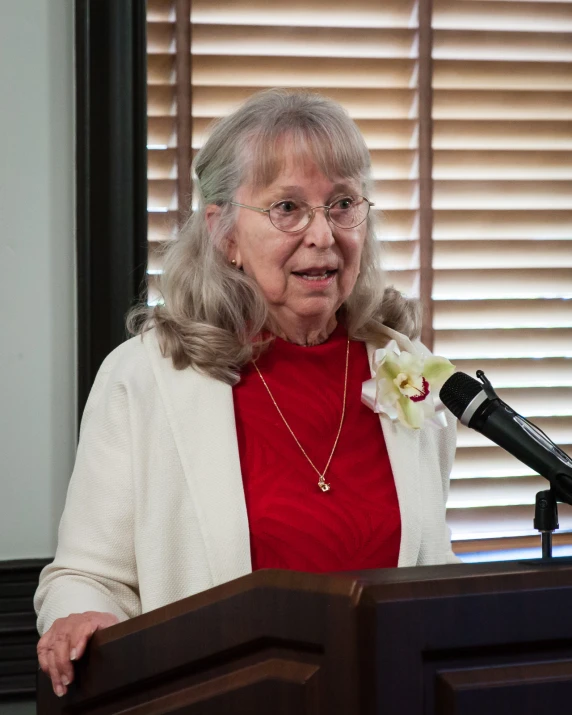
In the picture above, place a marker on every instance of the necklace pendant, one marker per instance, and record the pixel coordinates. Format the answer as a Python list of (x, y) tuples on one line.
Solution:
[(324, 486)]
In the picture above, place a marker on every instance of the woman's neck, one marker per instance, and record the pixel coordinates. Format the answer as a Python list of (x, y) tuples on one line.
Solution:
[(306, 335)]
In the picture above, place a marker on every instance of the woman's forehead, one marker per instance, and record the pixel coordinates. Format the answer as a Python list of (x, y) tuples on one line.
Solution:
[(291, 163)]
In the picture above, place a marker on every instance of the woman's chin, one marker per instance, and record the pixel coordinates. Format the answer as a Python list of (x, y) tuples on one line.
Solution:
[(319, 308)]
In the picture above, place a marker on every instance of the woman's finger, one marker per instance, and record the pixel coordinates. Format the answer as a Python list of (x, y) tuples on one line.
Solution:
[(61, 651), (57, 685), (43, 654), (80, 639)]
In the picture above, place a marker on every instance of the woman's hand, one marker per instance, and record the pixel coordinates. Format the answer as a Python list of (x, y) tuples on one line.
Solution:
[(66, 641)]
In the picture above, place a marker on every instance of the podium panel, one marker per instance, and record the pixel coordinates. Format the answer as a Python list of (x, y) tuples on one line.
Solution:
[(497, 690), (443, 640)]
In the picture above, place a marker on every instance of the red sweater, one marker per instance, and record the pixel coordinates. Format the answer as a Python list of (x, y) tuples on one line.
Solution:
[(293, 524)]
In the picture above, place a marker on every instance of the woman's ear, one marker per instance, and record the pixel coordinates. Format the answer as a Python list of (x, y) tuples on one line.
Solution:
[(232, 251), (229, 247)]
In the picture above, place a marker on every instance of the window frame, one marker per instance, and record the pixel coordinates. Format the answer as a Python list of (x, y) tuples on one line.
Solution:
[(111, 176)]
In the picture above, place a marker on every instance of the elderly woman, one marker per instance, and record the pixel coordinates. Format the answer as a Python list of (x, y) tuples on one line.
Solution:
[(230, 433)]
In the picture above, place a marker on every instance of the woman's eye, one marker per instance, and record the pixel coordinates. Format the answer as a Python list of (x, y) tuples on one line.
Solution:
[(344, 204), (286, 207)]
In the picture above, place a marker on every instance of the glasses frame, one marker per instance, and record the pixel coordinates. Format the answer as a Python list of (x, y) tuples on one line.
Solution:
[(311, 214)]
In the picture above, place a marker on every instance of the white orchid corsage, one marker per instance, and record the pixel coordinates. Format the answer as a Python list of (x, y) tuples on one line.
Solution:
[(405, 386)]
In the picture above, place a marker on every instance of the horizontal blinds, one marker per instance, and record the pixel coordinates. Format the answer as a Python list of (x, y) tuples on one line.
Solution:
[(502, 291), (368, 62), (162, 203), (241, 47)]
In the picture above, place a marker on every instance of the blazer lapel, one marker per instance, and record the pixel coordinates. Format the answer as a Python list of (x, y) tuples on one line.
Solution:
[(201, 415), (403, 449)]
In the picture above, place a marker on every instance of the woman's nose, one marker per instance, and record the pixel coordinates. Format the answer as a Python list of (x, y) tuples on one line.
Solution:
[(319, 230)]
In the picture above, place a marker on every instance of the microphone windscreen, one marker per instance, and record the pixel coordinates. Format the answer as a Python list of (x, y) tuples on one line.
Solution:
[(458, 392)]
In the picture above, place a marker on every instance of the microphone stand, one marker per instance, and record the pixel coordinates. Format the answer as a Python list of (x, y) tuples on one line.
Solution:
[(546, 522), (546, 519)]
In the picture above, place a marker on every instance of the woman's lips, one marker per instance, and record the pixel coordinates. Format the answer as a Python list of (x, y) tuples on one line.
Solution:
[(315, 278)]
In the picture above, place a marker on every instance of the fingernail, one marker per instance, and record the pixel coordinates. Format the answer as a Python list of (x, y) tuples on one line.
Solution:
[(65, 680), (59, 691), (73, 654)]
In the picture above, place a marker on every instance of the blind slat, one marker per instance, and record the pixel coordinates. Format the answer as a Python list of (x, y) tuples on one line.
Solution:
[(160, 11), (508, 284), (523, 372), (519, 106), (492, 45), (518, 224), (502, 165), (259, 40), (513, 16), (510, 491), (480, 314), (298, 72), (514, 343), (488, 465), (161, 131), (499, 521), (466, 74), (502, 136), (317, 13), (503, 254), (502, 194)]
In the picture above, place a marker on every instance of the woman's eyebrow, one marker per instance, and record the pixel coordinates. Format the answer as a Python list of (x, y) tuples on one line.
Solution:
[(343, 188), (286, 191)]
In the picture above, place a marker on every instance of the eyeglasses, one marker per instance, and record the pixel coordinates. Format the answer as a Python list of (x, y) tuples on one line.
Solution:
[(291, 215)]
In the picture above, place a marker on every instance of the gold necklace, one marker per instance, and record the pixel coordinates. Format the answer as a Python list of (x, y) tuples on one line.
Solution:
[(322, 484)]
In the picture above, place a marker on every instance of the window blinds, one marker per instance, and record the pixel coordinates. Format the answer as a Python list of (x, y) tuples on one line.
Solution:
[(502, 251), (498, 120)]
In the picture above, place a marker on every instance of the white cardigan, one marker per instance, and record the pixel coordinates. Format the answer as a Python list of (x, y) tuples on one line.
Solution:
[(155, 509)]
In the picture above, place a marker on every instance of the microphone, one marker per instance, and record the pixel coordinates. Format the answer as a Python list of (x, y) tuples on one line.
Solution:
[(476, 405)]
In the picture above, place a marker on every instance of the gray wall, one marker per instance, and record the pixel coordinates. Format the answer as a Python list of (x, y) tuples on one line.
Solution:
[(37, 272), (21, 707)]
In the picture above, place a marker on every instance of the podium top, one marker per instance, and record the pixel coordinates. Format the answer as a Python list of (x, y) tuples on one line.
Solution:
[(381, 585)]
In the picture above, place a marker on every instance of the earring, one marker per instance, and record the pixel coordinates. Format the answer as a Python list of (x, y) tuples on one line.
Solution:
[(233, 262)]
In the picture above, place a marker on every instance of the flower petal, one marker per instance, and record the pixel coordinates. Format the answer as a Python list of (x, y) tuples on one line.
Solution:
[(437, 370), (387, 392), (388, 368), (411, 414), (411, 364)]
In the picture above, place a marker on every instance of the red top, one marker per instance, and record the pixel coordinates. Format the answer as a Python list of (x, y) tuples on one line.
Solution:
[(293, 524)]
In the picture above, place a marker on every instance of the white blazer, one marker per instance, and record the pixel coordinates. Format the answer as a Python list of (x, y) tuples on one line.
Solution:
[(155, 509)]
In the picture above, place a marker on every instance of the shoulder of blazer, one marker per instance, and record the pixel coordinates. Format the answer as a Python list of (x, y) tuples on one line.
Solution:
[(129, 368), (137, 359)]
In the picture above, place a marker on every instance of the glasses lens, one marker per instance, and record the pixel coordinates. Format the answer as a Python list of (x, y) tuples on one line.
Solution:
[(290, 215), (349, 211)]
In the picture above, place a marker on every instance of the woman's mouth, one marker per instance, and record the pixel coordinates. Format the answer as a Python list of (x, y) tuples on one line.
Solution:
[(315, 275)]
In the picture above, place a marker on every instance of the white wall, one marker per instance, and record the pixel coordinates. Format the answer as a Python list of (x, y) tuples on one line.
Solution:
[(37, 272)]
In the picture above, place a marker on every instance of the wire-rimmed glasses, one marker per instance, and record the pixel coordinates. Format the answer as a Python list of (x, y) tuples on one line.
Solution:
[(292, 215)]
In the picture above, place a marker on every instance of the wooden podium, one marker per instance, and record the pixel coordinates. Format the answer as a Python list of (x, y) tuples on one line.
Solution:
[(481, 639)]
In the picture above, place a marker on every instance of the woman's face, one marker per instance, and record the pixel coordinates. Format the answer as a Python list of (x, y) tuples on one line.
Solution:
[(288, 266)]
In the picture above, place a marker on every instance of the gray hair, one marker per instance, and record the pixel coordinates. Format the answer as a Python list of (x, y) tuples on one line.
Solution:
[(212, 314)]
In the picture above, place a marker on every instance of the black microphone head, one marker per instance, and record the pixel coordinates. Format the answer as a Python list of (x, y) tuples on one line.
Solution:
[(458, 392)]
